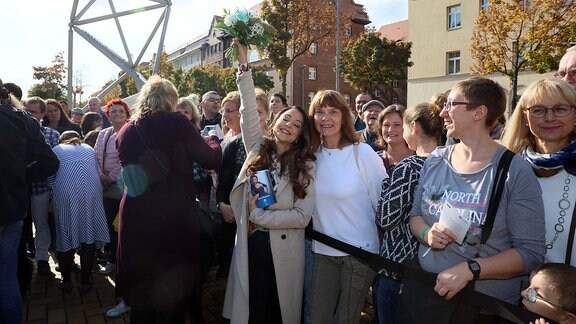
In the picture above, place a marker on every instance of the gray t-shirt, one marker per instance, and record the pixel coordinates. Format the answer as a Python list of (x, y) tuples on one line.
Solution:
[(519, 220)]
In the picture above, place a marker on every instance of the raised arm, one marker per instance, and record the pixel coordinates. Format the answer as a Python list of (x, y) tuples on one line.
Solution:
[(249, 120)]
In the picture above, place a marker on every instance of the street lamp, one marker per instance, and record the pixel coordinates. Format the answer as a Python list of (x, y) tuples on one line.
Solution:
[(302, 85)]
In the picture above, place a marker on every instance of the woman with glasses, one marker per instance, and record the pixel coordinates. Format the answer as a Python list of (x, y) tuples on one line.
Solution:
[(542, 130), (551, 293), (454, 188)]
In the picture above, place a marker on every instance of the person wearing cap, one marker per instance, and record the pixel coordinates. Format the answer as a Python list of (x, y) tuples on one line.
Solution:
[(77, 114), (369, 114)]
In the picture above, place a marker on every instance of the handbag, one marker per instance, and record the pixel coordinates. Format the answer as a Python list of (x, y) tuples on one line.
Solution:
[(420, 303), (205, 219)]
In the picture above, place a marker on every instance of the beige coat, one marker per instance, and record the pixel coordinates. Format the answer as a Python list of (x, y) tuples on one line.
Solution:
[(286, 221)]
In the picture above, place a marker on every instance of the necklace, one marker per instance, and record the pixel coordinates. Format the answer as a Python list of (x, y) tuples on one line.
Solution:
[(327, 150), (564, 204)]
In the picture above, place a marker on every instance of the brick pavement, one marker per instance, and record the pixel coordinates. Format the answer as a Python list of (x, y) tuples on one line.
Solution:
[(46, 303)]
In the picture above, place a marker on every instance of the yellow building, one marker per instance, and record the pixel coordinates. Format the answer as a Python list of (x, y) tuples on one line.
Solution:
[(440, 32)]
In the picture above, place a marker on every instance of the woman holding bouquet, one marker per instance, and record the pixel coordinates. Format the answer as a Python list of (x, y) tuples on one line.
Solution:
[(268, 260)]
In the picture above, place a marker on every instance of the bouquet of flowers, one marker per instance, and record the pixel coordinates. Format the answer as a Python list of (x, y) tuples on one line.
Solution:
[(247, 28)]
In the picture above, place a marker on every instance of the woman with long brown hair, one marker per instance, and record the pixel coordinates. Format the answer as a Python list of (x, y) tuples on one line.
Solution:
[(268, 260)]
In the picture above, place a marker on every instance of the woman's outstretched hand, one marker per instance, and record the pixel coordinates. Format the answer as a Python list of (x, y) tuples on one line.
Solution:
[(242, 51)]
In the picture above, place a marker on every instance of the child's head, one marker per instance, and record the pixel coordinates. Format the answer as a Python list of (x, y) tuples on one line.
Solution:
[(552, 292)]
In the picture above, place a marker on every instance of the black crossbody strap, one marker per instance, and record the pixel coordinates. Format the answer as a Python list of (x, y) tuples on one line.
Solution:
[(570, 245), (496, 195)]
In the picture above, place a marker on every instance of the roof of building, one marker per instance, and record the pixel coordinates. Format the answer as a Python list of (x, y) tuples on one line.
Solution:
[(397, 31), (195, 39)]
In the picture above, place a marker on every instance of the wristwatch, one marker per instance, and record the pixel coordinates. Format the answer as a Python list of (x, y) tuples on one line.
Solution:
[(474, 268)]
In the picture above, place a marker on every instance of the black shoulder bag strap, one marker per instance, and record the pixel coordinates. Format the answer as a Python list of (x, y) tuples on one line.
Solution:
[(570, 245), (495, 196)]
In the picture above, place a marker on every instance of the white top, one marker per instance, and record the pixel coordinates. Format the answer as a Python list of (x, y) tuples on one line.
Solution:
[(552, 190), (344, 208)]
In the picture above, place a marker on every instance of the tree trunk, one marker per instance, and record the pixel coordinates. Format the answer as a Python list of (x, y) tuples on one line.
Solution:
[(514, 85), (283, 75)]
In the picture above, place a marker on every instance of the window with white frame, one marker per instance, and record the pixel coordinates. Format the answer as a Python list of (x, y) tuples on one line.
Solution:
[(311, 95), (453, 62), (348, 30), (484, 5), (395, 100), (394, 83), (311, 73), (454, 17), (313, 48), (378, 93)]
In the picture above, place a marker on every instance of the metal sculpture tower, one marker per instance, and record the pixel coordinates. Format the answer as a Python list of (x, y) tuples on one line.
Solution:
[(126, 63)]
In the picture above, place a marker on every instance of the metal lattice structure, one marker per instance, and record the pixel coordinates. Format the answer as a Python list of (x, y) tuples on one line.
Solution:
[(124, 62)]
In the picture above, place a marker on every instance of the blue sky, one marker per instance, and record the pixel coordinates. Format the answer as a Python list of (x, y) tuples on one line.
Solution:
[(38, 29)]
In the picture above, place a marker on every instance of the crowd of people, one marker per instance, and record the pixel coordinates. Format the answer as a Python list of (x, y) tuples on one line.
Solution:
[(412, 185)]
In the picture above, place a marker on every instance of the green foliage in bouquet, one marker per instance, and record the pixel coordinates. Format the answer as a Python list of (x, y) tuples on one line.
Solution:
[(247, 28)]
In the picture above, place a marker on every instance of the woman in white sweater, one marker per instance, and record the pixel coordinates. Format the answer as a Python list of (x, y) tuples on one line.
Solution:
[(348, 179)]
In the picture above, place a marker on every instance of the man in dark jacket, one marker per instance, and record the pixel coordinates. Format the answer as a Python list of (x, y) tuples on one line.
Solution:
[(25, 157)]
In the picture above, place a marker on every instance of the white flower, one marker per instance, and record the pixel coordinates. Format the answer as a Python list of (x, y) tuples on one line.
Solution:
[(230, 20), (256, 29)]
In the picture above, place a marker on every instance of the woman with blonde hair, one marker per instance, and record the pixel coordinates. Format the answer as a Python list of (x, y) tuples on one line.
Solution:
[(158, 213), (348, 180), (187, 108), (542, 129)]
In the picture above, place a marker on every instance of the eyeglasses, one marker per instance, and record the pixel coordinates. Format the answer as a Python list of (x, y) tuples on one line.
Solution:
[(558, 111), (561, 74), (533, 296), (213, 100), (32, 112), (450, 104)]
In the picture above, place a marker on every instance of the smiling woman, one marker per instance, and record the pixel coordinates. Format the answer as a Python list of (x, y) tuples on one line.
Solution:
[(467, 169), (390, 139), (351, 197), (542, 129), (269, 248)]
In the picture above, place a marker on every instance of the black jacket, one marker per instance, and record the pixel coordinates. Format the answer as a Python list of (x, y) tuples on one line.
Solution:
[(24, 157)]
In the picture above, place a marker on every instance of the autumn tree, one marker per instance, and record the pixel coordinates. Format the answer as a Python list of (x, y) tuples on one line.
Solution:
[(371, 61), (299, 24), (223, 80), (52, 79), (513, 36)]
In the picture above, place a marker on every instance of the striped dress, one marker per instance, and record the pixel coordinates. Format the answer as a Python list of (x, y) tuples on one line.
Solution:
[(77, 199)]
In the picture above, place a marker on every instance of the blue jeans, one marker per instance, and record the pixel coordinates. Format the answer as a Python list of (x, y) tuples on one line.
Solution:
[(10, 298), (308, 269), (386, 293)]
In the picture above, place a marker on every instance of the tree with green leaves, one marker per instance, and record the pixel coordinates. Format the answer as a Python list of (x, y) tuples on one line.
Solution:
[(223, 80), (371, 61), (513, 36), (299, 24), (52, 79)]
